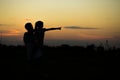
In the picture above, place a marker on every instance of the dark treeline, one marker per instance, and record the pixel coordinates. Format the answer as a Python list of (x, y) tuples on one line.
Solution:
[(89, 50), (64, 61)]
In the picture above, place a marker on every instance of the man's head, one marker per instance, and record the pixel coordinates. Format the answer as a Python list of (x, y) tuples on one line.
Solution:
[(28, 26), (38, 24)]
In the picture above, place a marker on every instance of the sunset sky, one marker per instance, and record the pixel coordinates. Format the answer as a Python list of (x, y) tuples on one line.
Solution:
[(83, 21)]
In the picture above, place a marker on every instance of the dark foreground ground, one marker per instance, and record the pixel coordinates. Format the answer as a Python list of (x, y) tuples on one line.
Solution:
[(62, 62)]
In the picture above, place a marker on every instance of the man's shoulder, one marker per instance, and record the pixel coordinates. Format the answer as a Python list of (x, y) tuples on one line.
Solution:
[(25, 33), (44, 29)]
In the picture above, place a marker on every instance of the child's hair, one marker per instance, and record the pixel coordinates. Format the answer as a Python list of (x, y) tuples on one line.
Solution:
[(38, 24), (28, 26)]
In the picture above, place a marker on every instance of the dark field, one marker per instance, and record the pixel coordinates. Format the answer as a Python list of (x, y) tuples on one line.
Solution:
[(61, 62)]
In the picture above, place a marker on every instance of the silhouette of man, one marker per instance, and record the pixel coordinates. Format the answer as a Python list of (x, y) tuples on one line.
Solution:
[(29, 40), (39, 36)]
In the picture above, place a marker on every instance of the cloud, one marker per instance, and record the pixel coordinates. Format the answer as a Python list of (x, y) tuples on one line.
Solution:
[(10, 32), (78, 27), (4, 31), (2, 25)]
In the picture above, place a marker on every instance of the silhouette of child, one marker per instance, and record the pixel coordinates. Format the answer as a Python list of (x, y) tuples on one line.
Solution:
[(29, 40), (39, 36)]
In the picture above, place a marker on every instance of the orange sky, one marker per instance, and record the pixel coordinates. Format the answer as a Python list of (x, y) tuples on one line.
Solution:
[(103, 15)]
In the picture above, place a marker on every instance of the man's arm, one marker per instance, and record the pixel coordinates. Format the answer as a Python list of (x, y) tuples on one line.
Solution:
[(59, 28)]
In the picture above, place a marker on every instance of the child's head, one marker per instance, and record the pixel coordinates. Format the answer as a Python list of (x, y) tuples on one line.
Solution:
[(38, 24), (28, 27)]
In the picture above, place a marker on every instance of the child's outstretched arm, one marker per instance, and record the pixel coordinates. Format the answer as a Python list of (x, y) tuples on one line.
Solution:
[(59, 28)]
